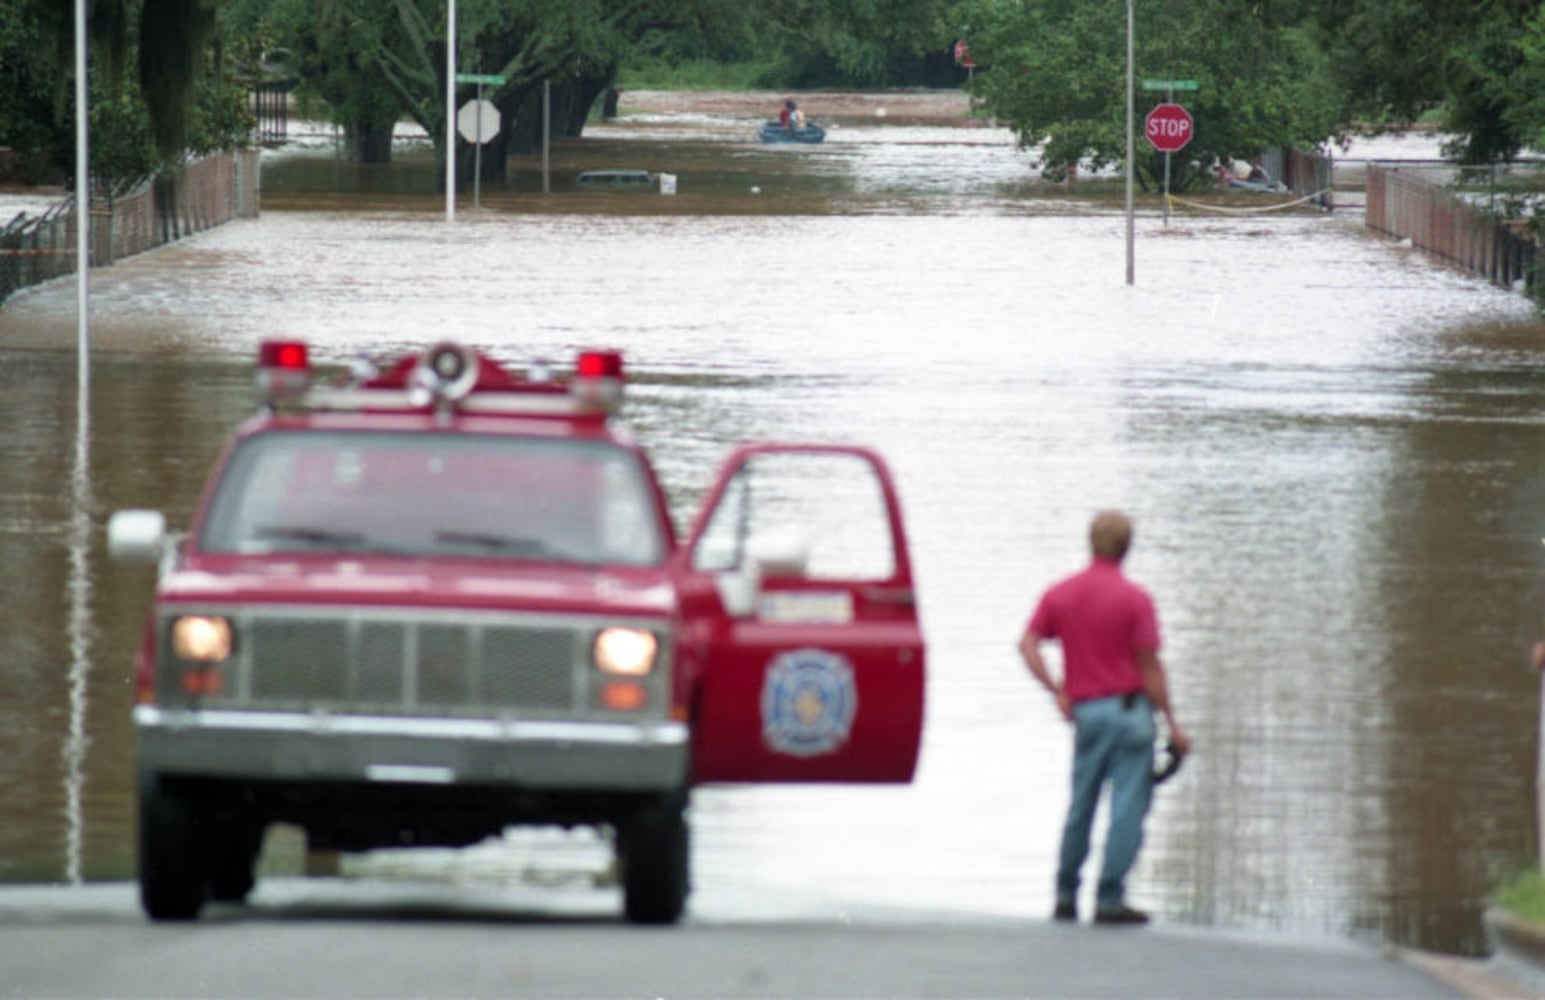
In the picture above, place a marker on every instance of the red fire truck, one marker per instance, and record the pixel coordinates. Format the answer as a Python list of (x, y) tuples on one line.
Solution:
[(433, 599)]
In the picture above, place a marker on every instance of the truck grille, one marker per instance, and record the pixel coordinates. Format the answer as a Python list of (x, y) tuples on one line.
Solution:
[(401, 663)]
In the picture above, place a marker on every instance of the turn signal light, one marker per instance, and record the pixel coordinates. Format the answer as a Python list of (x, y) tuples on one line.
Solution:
[(623, 696), (204, 682)]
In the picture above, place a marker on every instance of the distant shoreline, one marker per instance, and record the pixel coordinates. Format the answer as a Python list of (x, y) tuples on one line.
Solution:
[(944, 107)]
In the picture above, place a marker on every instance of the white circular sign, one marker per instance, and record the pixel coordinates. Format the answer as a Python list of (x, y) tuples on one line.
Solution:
[(478, 121)]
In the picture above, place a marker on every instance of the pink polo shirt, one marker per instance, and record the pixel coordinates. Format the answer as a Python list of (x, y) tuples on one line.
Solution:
[(1103, 620)]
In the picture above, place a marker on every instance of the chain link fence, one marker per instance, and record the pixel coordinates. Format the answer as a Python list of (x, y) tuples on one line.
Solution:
[(37, 248)]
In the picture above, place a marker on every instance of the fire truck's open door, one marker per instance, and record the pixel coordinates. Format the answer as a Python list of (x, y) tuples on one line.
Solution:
[(797, 596)]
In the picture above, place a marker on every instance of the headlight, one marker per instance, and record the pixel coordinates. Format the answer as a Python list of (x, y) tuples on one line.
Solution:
[(201, 639), (629, 652)]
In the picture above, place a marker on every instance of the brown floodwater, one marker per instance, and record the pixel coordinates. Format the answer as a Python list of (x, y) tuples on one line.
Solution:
[(1331, 447)]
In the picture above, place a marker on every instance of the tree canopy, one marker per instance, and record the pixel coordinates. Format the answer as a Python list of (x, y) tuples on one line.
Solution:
[(378, 59), (180, 97), (1056, 71), (1271, 72)]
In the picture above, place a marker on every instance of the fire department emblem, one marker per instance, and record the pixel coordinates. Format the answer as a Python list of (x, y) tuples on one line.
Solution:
[(808, 702)]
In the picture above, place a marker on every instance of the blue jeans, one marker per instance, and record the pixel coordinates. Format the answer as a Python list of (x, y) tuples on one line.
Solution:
[(1113, 744)]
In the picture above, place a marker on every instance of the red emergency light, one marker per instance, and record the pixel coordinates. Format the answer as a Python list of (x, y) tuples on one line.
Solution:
[(289, 354), (283, 371), (599, 364), (597, 384)]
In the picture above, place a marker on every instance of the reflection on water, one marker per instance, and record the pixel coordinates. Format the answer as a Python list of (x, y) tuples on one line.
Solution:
[(1329, 446), (79, 631)]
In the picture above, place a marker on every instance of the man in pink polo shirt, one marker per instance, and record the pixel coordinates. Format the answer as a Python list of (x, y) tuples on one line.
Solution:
[(1112, 681)]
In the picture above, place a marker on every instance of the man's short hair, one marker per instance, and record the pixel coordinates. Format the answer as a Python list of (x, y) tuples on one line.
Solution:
[(1110, 534)]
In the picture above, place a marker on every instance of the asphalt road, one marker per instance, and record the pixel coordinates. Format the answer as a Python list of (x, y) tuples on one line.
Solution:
[(337, 938)]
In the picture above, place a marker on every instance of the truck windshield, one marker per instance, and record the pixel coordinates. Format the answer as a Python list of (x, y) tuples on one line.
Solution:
[(435, 494)]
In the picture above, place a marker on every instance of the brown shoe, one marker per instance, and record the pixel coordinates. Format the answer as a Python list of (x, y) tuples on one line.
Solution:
[(1121, 915)]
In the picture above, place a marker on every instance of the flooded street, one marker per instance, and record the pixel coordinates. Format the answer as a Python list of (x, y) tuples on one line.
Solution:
[(1331, 447)]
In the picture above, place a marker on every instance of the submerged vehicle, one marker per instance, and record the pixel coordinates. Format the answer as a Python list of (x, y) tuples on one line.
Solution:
[(615, 178), (442, 597)]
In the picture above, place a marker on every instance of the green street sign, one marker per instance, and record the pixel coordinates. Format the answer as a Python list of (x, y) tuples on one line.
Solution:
[(491, 79), (1170, 85)]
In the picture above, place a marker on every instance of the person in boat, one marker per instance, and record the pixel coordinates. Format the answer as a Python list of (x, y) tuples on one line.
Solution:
[(786, 113), (796, 117)]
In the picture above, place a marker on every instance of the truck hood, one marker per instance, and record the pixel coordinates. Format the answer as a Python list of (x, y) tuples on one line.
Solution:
[(472, 585)]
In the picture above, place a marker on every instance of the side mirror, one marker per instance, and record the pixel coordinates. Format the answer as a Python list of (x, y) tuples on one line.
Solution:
[(136, 536), (738, 590), (772, 553), (780, 553)]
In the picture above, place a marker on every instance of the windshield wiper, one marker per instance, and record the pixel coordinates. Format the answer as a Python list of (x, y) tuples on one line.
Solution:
[(515, 545), (325, 539), (314, 536), (488, 540)]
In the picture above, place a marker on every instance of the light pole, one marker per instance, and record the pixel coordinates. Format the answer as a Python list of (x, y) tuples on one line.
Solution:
[(450, 110), (1131, 242), (82, 198)]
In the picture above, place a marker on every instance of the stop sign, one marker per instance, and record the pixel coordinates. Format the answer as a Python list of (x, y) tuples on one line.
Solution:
[(1168, 127), (478, 121)]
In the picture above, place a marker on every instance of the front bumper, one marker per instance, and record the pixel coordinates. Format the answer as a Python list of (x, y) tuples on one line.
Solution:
[(557, 756)]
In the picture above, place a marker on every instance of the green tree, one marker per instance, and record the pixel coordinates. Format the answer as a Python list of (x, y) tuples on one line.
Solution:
[(182, 97), (31, 104), (1466, 61), (1527, 113), (376, 60), (862, 42), (173, 41), (1055, 71)]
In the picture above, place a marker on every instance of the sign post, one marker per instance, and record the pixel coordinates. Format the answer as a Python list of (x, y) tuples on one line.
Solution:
[(1169, 128), (1169, 87), (478, 122)]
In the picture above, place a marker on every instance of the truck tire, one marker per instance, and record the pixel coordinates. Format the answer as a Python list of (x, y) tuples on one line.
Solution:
[(233, 860), (173, 865), (655, 877)]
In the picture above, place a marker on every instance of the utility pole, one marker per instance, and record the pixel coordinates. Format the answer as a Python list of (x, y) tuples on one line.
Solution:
[(1131, 153)]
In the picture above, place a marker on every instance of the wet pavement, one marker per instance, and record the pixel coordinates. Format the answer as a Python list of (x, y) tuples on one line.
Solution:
[(324, 939)]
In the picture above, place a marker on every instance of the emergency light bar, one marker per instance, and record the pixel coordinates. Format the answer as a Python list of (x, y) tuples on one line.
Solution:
[(448, 376)]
